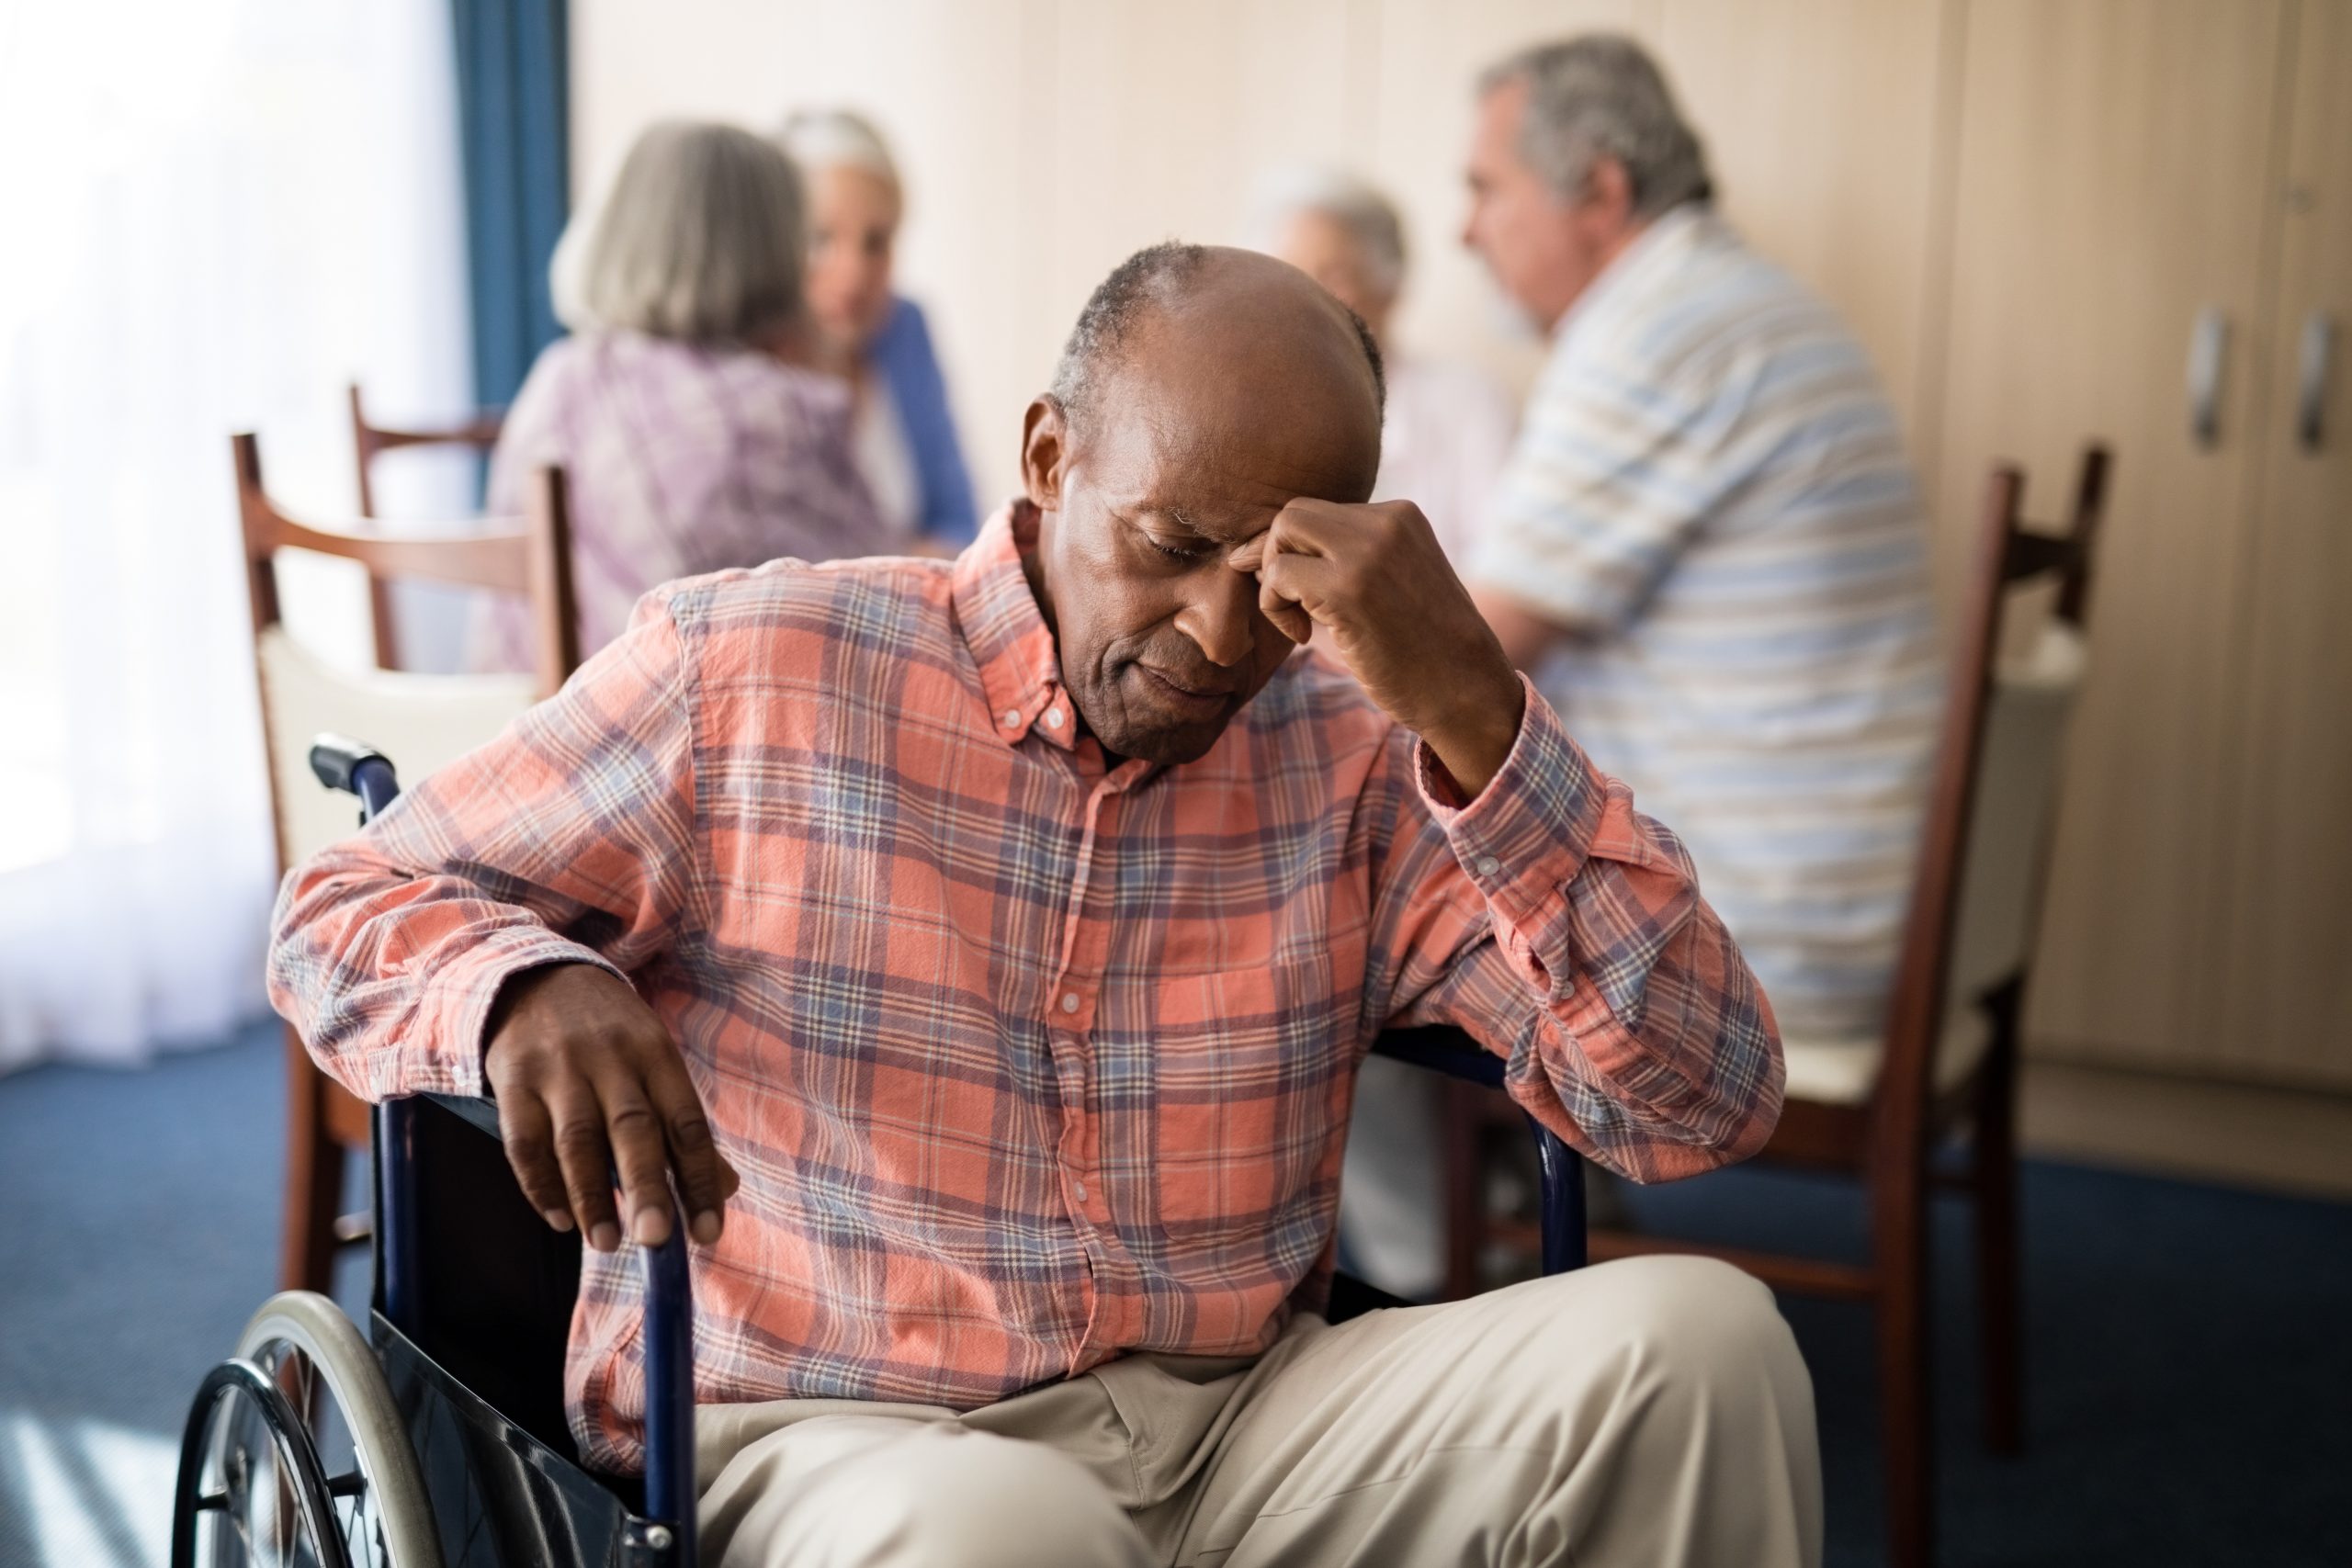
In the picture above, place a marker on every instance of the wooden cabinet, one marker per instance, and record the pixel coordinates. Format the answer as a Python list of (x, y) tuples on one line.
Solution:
[(2119, 187), (2286, 1007)]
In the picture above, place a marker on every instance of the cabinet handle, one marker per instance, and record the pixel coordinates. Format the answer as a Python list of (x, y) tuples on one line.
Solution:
[(2311, 404), (2209, 343)]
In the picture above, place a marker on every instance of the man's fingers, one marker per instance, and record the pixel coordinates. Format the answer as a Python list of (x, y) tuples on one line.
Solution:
[(523, 1128), (641, 1155), (586, 1157), (693, 1151), (1291, 588)]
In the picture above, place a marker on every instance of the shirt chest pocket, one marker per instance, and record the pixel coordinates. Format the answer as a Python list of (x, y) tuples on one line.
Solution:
[(1250, 1073)]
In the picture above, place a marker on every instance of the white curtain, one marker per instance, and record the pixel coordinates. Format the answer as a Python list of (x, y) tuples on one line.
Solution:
[(219, 213)]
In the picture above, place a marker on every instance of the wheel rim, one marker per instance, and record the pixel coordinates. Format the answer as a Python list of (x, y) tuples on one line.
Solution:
[(251, 1488), (352, 1496)]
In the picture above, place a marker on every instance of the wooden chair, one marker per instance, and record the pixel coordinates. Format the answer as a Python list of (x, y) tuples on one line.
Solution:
[(431, 719), (1947, 1067), (367, 441)]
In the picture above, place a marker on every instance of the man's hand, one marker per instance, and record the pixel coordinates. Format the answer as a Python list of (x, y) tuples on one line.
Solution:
[(588, 1080), (1375, 580)]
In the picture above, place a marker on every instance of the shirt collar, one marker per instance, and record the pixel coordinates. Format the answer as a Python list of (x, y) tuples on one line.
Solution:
[(1662, 237), (1007, 634)]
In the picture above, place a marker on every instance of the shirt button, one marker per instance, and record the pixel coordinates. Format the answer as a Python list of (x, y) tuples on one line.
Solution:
[(1053, 718), (1011, 718), (1488, 865), (1078, 1188), (1069, 1001)]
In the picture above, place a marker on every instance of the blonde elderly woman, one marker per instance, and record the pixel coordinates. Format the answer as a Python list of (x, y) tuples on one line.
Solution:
[(905, 436), (695, 434), (1449, 425)]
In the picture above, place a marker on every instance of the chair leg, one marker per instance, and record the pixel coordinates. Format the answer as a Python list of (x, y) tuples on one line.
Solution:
[(1900, 1224), (1998, 1311), (313, 1179)]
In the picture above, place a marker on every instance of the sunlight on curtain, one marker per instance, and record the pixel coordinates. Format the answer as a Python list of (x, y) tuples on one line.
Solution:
[(219, 214)]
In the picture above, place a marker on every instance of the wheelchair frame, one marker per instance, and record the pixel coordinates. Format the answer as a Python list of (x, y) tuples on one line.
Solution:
[(497, 1459)]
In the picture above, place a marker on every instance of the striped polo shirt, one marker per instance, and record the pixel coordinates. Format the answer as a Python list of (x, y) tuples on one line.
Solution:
[(1709, 490)]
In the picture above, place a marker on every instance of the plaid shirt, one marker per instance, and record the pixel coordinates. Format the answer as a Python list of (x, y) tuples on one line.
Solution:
[(1025, 1061)]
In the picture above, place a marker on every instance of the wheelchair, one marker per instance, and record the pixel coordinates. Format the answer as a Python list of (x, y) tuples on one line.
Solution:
[(437, 1439)]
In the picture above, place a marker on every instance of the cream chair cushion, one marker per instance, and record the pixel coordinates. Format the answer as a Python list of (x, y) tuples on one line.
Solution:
[(1843, 1072), (421, 722), (2017, 789)]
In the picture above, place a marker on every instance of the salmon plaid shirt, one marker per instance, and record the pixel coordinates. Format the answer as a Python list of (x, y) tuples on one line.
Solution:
[(1025, 1061)]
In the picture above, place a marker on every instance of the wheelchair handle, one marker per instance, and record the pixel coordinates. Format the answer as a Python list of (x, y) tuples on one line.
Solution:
[(353, 766)]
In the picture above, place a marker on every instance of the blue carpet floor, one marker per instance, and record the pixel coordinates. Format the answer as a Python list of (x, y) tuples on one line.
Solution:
[(2191, 1348)]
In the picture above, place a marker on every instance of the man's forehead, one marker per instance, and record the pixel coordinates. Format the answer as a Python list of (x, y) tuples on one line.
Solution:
[(1220, 480), (1180, 426)]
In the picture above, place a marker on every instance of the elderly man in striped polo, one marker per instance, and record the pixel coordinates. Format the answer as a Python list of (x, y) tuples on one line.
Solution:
[(1707, 547)]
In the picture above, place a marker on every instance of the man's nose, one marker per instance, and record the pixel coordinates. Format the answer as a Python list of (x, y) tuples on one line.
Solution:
[(1221, 615)]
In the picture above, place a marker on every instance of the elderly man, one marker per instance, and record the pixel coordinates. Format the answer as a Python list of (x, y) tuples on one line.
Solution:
[(996, 943), (1708, 546), (1448, 424)]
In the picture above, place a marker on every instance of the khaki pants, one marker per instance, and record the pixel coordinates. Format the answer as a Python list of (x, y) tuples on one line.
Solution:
[(1648, 1412)]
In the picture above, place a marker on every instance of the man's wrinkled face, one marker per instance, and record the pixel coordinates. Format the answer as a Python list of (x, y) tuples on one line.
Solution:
[(1206, 431)]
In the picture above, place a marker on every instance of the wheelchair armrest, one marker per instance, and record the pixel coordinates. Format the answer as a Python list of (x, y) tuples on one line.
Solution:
[(1456, 1055), (1442, 1050), (479, 1109)]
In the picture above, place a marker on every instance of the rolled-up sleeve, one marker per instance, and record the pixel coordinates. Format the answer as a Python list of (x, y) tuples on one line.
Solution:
[(567, 840), (1565, 931)]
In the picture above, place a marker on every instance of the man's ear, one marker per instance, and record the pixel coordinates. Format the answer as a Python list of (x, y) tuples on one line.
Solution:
[(1608, 191), (1045, 452)]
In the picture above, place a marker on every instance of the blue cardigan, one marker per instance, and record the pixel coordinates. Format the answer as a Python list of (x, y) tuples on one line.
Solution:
[(902, 352)]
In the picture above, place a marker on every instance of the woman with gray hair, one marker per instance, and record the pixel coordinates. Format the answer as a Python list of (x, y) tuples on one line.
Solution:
[(694, 431), (1449, 425), (905, 435)]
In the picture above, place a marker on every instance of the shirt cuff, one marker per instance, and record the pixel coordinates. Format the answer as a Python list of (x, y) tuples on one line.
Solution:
[(462, 995), (1529, 831)]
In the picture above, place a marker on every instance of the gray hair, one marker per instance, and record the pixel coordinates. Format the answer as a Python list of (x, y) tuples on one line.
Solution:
[(701, 238), (1368, 218), (1598, 96), (839, 138)]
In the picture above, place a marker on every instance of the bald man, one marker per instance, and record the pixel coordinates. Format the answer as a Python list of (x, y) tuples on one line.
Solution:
[(986, 950)]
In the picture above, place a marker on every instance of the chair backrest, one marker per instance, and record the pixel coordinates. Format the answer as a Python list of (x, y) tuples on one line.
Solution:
[(1977, 896), (425, 720), (368, 440)]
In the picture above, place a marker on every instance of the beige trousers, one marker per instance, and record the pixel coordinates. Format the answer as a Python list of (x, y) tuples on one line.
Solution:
[(1648, 1412)]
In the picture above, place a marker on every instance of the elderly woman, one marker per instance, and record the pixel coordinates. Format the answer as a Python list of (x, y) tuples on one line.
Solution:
[(694, 434), (1449, 425), (905, 437)]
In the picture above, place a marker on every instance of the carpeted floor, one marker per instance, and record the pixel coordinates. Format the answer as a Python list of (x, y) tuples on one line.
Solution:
[(2191, 1349)]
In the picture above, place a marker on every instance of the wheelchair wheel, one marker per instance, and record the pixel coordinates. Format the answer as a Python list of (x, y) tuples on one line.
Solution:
[(295, 1455)]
